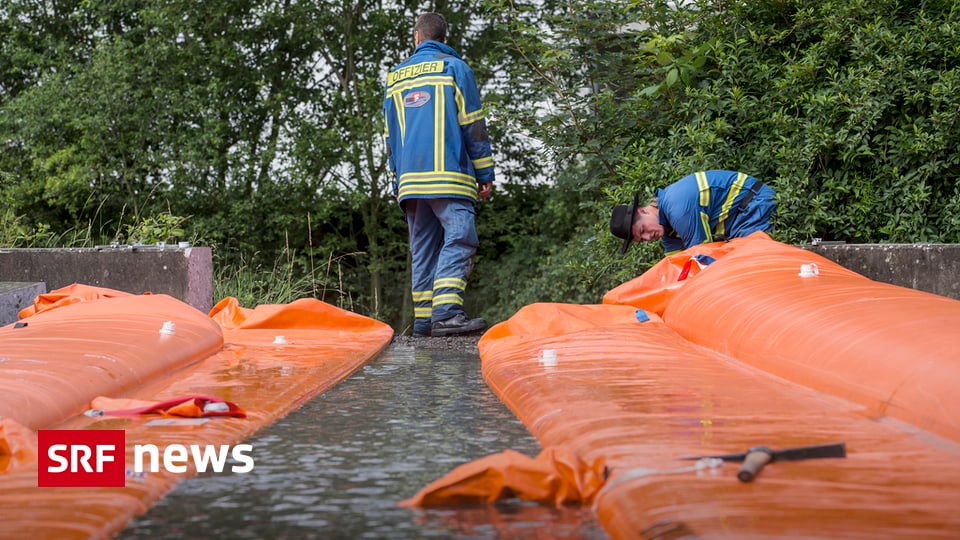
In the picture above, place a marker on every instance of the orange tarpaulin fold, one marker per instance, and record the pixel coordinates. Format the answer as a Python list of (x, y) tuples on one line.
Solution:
[(654, 289), (302, 314), (65, 296), (557, 476), (189, 407), (18, 445)]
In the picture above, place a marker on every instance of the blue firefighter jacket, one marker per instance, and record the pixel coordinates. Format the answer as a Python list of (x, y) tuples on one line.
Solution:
[(436, 134), (705, 207)]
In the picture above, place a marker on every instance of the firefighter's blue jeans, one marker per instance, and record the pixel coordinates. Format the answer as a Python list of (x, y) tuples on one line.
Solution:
[(443, 240), (756, 216)]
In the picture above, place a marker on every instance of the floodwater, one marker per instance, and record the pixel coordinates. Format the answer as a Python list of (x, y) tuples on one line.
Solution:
[(336, 467)]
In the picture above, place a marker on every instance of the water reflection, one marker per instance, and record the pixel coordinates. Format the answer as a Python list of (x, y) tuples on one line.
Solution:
[(336, 467)]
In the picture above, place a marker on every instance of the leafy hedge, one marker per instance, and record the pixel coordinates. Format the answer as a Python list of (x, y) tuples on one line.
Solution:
[(848, 108)]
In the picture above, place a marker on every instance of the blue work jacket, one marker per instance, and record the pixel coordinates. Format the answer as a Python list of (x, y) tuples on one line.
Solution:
[(435, 130), (705, 207)]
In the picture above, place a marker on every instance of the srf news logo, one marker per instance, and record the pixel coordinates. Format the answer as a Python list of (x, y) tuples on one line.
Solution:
[(95, 458)]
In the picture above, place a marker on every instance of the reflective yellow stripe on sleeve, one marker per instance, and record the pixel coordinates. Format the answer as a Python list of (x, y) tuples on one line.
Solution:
[(704, 188), (483, 163)]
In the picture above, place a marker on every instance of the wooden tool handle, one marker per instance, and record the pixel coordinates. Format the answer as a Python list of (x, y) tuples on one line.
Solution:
[(752, 464)]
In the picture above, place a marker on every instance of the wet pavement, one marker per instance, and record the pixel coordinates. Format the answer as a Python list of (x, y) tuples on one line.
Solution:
[(336, 467)]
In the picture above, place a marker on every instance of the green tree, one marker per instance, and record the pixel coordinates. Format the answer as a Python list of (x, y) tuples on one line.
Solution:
[(257, 127), (842, 106), (846, 107), (259, 123)]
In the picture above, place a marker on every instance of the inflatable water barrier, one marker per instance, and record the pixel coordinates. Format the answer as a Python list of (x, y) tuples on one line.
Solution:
[(844, 388), (165, 374)]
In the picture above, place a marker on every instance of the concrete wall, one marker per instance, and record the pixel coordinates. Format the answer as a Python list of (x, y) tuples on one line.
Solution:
[(14, 296), (187, 273), (183, 273), (933, 268)]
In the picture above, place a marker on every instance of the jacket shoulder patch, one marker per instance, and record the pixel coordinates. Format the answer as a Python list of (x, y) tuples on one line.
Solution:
[(416, 99)]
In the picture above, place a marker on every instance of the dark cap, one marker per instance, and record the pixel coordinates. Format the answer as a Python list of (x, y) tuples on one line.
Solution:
[(621, 222)]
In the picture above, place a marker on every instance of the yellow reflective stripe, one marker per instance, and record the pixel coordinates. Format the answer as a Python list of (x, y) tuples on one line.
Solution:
[(462, 115), (401, 115), (728, 203), (423, 312), (461, 105), (483, 163), (439, 142), (440, 190), (447, 176), (704, 188), (449, 282), (437, 183), (421, 82), (448, 299), (471, 118), (705, 220), (674, 252), (422, 296)]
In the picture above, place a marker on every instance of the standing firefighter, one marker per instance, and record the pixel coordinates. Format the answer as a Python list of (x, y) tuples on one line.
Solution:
[(440, 163)]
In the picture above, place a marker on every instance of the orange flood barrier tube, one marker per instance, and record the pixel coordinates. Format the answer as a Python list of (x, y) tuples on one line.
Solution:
[(642, 393), (892, 349), (273, 359), (56, 361)]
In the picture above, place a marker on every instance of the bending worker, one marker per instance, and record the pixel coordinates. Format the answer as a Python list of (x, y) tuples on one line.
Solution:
[(440, 163), (707, 206)]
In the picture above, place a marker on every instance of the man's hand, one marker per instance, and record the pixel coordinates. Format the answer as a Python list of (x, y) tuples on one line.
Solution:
[(484, 189)]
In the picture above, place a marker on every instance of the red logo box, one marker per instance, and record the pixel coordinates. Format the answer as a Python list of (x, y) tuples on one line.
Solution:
[(81, 458)]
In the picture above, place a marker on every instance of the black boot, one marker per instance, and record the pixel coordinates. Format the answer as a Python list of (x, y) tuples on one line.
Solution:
[(458, 325)]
